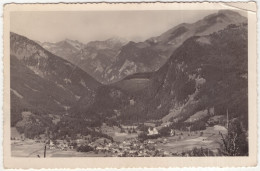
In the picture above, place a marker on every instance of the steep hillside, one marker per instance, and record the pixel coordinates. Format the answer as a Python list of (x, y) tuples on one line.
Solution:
[(94, 57), (133, 58), (153, 53), (29, 92), (204, 72), (97, 56), (44, 83)]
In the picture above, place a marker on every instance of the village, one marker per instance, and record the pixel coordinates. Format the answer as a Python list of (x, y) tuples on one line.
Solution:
[(143, 140), (125, 144), (154, 145)]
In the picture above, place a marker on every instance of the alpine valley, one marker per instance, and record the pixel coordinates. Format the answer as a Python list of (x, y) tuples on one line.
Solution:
[(189, 83)]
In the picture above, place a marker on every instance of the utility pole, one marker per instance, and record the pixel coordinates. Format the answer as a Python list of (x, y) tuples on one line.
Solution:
[(44, 154), (48, 137)]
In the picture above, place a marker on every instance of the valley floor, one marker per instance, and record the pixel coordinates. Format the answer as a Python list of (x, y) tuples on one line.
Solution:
[(165, 146), (210, 140), (29, 148)]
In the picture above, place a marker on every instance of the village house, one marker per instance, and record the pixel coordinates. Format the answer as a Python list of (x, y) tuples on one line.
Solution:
[(153, 131), (51, 145), (132, 102), (99, 148), (172, 133), (126, 143)]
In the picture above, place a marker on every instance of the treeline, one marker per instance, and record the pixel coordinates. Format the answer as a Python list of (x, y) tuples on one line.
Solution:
[(34, 126), (85, 148), (67, 127), (71, 127)]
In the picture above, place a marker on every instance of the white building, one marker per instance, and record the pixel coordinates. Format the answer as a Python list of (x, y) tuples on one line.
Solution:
[(172, 132), (51, 143), (153, 131), (132, 102)]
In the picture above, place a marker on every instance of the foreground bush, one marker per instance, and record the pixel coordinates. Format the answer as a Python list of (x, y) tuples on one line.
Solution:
[(200, 152), (84, 148), (235, 143)]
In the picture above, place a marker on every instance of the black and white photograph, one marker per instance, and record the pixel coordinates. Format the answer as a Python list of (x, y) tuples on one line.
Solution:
[(129, 83)]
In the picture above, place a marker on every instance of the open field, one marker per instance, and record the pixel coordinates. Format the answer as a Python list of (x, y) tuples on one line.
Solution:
[(114, 132), (210, 139), (174, 145), (29, 148), (73, 153), (120, 137), (14, 133)]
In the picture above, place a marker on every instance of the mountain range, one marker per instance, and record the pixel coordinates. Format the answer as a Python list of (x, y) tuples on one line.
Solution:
[(94, 57), (112, 60), (185, 71), (205, 72)]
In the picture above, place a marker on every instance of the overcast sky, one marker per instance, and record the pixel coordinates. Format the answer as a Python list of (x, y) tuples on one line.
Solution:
[(93, 25)]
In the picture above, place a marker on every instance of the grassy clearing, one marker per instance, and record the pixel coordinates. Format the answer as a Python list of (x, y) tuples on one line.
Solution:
[(26, 148), (177, 144), (29, 148)]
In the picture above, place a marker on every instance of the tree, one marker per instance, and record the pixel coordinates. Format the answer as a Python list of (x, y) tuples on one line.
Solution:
[(122, 130), (235, 143), (142, 136), (165, 131), (143, 128), (84, 148), (200, 152), (199, 125)]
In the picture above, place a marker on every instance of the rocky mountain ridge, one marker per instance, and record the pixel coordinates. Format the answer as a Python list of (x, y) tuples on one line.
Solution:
[(93, 57), (113, 59), (151, 54)]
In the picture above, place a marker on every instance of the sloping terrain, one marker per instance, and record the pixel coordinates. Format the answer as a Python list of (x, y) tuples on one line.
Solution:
[(113, 59), (151, 54), (44, 83), (192, 68), (93, 57), (97, 56), (204, 72)]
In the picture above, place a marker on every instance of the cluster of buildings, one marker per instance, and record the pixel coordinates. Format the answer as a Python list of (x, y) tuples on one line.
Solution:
[(60, 144), (153, 131), (127, 148), (133, 148)]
